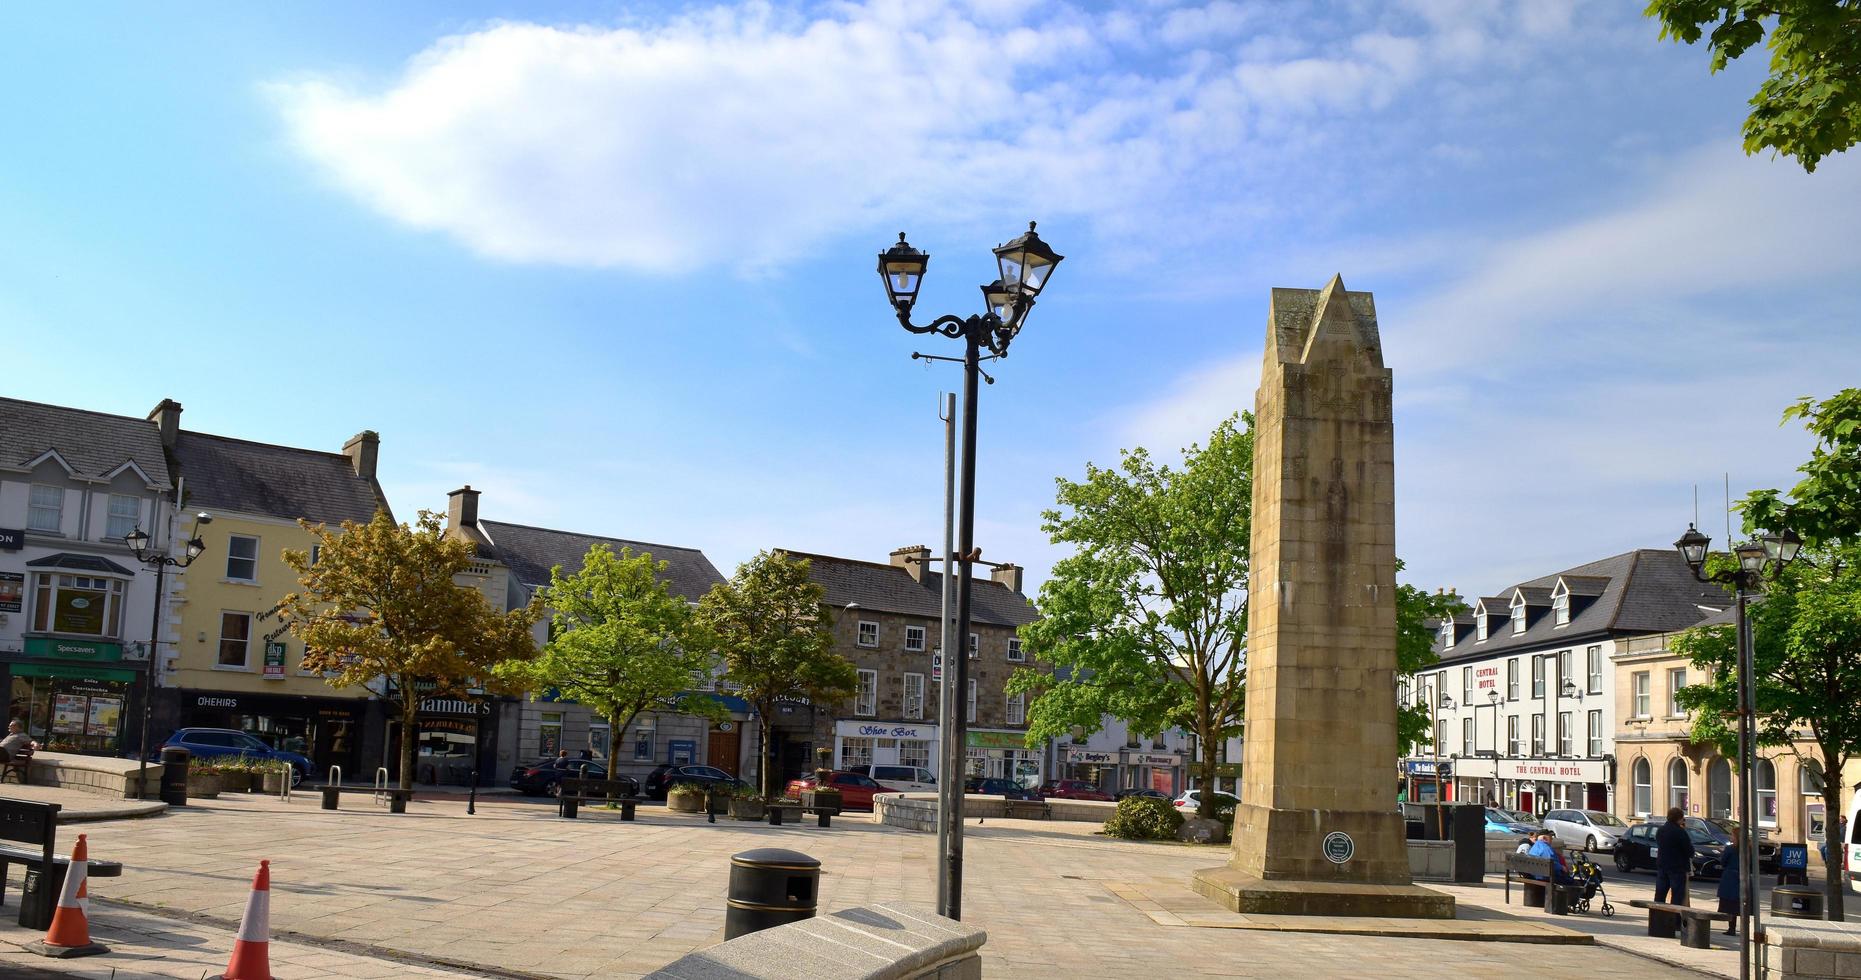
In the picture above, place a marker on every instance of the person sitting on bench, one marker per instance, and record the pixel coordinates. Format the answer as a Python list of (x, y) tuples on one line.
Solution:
[(15, 740), (1560, 873)]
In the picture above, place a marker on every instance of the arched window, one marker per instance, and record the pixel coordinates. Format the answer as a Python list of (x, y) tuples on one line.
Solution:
[(1677, 784), (1767, 793), (1644, 790), (1719, 788)]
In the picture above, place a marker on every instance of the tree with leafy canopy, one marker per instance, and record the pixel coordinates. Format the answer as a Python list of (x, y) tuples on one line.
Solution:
[(1417, 613), (1806, 628), (1810, 105), (771, 625), (380, 602), (620, 643)]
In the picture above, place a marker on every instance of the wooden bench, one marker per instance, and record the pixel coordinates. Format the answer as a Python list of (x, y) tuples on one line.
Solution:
[(824, 815), (397, 797), (574, 791), (1693, 924), (25, 822), (1535, 876), (19, 766), (1036, 809)]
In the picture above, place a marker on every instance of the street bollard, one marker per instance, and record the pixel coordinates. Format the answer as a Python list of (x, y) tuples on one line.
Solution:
[(770, 886), (174, 775), (471, 799)]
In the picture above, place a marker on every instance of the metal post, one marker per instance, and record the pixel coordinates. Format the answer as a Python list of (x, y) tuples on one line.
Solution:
[(1747, 795), (471, 798), (1434, 737), (148, 680), (958, 731), (950, 755)]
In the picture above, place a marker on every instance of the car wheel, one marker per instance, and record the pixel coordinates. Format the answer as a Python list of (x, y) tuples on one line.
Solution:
[(1622, 861), (1589, 843), (297, 777)]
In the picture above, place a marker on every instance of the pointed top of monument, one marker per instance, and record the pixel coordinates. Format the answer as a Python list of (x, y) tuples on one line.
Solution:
[(1304, 320)]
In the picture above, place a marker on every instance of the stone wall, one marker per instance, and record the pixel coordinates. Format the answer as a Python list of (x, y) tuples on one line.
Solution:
[(877, 942), (918, 811), (114, 778), (1809, 948)]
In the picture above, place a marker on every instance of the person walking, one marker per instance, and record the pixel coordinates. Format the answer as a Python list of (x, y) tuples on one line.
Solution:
[(1674, 859), (1728, 888)]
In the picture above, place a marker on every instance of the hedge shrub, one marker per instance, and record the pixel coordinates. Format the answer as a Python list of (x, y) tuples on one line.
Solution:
[(1144, 818)]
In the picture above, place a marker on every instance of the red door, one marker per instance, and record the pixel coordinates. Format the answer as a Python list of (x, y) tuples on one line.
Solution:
[(1598, 797), (1526, 801)]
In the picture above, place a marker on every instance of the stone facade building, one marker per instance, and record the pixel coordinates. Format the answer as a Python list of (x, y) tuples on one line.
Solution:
[(886, 623)]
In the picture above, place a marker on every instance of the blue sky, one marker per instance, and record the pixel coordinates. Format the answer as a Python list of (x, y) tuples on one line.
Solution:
[(614, 265)]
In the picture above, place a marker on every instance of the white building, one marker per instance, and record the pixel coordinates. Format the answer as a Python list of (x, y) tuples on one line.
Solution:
[(1524, 696)]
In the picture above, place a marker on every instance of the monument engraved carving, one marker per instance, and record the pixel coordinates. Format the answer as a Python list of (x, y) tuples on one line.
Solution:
[(1319, 763)]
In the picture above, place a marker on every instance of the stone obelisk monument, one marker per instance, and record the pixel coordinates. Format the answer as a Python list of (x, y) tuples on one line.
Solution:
[(1318, 831)]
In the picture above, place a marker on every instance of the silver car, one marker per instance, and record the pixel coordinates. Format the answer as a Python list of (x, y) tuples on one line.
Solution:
[(1592, 830)]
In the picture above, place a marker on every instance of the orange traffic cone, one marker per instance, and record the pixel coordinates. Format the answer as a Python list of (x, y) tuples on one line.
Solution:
[(69, 934), (252, 949)]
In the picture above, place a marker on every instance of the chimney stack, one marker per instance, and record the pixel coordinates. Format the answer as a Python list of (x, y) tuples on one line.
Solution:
[(462, 508), (167, 419), (912, 558), (362, 448), (1009, 575)]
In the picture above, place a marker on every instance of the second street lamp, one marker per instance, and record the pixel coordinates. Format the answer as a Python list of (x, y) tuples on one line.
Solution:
[(1025, 264), (138, 541)]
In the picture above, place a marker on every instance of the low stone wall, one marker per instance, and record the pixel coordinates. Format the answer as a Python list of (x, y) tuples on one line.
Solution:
[(1431, 860), (918, 811), (877, 942), (114, 778), (1810, 948)]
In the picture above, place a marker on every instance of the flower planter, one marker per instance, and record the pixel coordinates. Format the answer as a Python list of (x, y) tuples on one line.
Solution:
[(235, 781), (747, 809), (274, 782), (685, 802), (203, 785)]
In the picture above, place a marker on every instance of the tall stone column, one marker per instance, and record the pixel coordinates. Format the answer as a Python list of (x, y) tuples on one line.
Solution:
[(1318, 831)]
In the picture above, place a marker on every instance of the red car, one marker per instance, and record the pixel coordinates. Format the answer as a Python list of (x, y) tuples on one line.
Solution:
[(855, 790), (1074, 789)]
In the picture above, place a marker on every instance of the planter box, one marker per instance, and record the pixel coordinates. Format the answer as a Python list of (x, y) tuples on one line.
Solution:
[(236, 781), (747, 809), (685, 802), (274, 782), (203, 785)]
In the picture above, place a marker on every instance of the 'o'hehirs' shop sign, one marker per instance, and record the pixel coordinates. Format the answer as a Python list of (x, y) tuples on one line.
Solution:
[(1568, 770)]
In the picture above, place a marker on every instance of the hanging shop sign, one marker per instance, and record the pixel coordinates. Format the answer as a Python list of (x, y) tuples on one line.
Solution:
[(12, 538), (1091, 757), (12, 591), (274, 661), (1154, 760)]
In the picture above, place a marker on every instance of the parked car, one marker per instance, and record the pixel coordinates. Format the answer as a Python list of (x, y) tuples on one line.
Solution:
[(1502, 822), (1636, 849), (856, 789), (663, 778), (1193, 799), (1592, 830), (992, 786), (228, 743), (544, 776), (1130, 791), (1726, 830), (1524, 819), (910, 779), (1073, 789)]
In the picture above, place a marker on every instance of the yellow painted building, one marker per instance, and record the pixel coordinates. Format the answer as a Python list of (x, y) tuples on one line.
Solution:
[(227, 661)]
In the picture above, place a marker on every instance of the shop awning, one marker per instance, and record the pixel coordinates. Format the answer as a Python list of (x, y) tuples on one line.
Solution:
[(79, 563), (51, 670)]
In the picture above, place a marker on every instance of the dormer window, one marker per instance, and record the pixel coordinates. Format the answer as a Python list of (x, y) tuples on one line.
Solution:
[(1560, 604), (1479, 626), (1447, 634), (1518, 614)]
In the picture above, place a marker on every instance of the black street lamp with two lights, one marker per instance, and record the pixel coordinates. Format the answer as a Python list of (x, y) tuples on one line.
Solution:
[(139, 543)]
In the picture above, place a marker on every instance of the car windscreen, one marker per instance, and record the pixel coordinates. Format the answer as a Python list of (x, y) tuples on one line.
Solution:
[(1601, 819)]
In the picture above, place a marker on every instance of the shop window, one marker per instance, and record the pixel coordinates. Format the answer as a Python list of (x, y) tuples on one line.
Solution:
[(866, 701), (1014, 650), (242, 558), (914, 696), (914, 639), (1677, 785), (1766, 773), (70, 715), (1809, 779), (599, 737), (643, 741), (1017, 709), (84, 605), (46, 511), (125, 516), (914, 752), (1719, 788), (868, 634), (235, 639), (1644, 788), (855, 752), (549, 734)]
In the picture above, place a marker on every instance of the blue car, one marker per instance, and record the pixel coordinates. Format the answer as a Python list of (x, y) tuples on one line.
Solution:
[(226, 743), (1500, 822)]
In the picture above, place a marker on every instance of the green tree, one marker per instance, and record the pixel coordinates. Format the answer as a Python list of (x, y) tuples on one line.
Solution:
[(771, 625), (1146, 620), (380, 601), (1806, 630), (620, 643), (1416, 610), (1810, 105)]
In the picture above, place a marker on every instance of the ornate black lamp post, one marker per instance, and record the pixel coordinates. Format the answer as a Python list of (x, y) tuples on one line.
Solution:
[(1758, 560), (138, 541), (1026, 264)]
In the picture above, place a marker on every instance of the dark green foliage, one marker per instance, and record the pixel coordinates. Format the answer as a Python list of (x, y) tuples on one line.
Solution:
[(1146, 818)]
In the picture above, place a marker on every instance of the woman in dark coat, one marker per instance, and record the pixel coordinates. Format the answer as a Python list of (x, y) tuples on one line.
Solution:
[(1728, 888)]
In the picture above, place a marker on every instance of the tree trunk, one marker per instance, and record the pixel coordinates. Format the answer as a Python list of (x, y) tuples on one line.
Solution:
[(410, 707), (762, 752), (1838, 847), (1205, 734)]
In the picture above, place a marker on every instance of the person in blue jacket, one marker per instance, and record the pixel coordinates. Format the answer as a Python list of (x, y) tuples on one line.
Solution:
[(1728, 888), (1674, 860)]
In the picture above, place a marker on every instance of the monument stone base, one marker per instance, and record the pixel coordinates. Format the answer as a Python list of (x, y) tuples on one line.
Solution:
[(1247, 894)]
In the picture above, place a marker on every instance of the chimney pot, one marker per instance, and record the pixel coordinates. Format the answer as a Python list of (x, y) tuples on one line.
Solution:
[(462, 508), (167, 419), (912, 558), (1008, 574), (362, 450)]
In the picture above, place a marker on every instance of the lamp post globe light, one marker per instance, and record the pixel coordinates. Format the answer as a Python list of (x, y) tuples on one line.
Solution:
[(138, 541), (1025, 265), (1757, 560)]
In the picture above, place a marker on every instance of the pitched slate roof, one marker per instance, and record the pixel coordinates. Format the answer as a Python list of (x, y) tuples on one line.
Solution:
[(1649, 590), (274, 481), (93, 444), (889, 588), (530, 552)]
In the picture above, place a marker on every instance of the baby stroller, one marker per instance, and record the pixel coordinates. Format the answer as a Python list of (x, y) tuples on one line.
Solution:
[(1590, 877)]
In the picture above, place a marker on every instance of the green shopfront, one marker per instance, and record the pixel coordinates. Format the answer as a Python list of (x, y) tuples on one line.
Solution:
[(73, 695), (1003, 754)]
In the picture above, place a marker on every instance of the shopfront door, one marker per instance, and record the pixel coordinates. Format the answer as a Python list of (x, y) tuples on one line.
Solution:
[(725, 748)]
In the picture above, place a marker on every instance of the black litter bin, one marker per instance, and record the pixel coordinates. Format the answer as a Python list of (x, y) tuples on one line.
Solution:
[(1796, 903), (174, 775), (770, 886)]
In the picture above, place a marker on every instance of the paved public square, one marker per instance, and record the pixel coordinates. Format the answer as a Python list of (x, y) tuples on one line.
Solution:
[(516, 891)]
